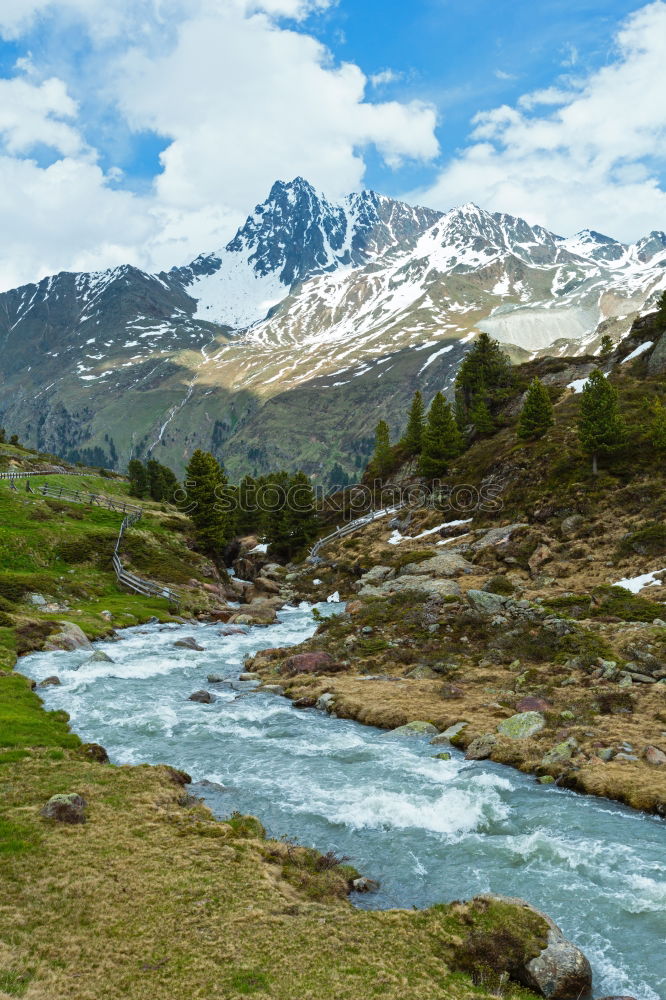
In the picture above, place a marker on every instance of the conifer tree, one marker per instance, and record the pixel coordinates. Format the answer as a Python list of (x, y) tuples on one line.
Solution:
[(206, 481), (442, 439), (606, 346), (536, 415), (138, 480), (412, 440), (601, 428), (382, 456), (661, 312), (658, 426), (303, 519), (246, 515), (484, 381)]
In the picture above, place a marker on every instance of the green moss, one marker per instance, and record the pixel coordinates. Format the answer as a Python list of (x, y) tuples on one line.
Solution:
[(650, 540)]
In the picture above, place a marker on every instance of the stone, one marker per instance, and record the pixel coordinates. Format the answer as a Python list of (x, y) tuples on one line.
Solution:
[(657, 362), (540, 556), (416, 728), (481, 747), (561, 971), (364, 885), (325, 702), (310, 663), (189, 642), (533, 704), (37, 600), (375, 575), (93, 751), (50, 682), (215, 679), (267, 586), (421, 672), (496, 536), (546, 779), (486, 603), (70, 637), (406, 583), (444, 564), (627, 757), (249, 676), (354, 607), (106, 615), (232, 630), (449, 734), (273, 689), (571, 525), (99, 657), (205, 697), (561, 752), (654, 756), (65, 808), (605, 754), (445, 755), (521, 726)]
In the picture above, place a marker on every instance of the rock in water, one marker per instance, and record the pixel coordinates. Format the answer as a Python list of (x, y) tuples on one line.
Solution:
[(99, 657), (66, 808), (50, 682), (520, 726), (69, 637), (205, 697), (482, 747), (189, 643), (417, 728), (561, 971)]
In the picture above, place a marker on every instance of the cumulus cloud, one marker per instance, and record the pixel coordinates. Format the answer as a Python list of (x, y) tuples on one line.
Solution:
[(584, 153), (238, 92)]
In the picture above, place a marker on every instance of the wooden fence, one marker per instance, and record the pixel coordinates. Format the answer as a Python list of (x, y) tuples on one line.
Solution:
[(352, 526), (133, 513)]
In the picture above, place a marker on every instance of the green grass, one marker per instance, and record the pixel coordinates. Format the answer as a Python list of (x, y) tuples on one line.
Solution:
[(23, 721)]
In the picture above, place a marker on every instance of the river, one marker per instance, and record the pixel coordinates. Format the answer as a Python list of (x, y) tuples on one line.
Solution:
[(428, 830)]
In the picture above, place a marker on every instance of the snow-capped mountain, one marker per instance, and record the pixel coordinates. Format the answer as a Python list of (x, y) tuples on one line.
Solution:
[(281, 345)]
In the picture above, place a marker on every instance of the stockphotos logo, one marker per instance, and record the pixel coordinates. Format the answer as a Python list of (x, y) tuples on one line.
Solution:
[(349, 503)]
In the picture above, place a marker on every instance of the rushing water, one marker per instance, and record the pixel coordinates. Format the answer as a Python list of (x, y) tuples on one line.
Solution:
[(428, 830)]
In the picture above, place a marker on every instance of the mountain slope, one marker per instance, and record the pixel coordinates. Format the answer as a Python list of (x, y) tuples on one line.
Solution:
[(311, 297)]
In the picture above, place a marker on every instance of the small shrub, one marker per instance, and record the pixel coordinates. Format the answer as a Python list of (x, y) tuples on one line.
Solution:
[(650, 540), (246, 826), (499, 585)]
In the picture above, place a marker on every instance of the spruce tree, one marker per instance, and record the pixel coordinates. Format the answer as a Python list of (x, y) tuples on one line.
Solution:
[(606, 346), (138, 479), (302, 512), (412, 440), (661, 311), (601, 428), (484, 381), (382, 457), (536, 416), (205, 481), (442, 439)]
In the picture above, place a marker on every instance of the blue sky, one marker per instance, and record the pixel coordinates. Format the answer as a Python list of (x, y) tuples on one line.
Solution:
[(145, 130)]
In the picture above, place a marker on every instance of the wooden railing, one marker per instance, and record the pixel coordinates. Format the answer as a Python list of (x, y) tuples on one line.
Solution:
[(352, 526), (133, 513)]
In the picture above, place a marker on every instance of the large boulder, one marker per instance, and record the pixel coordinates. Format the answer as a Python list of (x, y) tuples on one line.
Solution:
[(416, 728), (204, 697), (485, 603), (65, 808), (481, 747), (657, 362), (561, 971), (435, 588), (310, 663), (444, 564), (522, 725), (496, 536), (99, 656), (69, 637), (189, 642)]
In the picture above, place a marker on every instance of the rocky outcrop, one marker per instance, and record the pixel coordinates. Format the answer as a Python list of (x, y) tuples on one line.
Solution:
[(561, 971), (522, 725), (310, 663)]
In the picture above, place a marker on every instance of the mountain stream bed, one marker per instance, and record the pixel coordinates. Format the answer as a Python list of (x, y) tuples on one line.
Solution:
[(428, 830)]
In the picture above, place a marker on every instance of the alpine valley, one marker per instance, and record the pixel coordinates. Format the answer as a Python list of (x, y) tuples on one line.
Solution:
[(283, 348)]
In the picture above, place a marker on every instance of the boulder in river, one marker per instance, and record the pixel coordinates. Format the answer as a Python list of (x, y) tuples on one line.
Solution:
[(189, 642), (561, 971), (50, 682), (205, 697), (482, 747), (65, 808), (364, 885), (449, 735), (416, 728), (521, 726), (99, 657)]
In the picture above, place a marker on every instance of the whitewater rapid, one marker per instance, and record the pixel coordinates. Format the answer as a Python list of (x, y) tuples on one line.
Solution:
[(428, 830)]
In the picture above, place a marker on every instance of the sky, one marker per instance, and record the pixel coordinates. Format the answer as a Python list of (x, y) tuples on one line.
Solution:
[(144, 131)]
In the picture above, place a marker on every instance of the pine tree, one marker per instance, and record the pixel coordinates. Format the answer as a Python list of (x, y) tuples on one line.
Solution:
[(302, 511), (205, 480), (382, 457), (485, 380), (658, 426), (536, 415), (138, 479), (606, 346), (412, 440), (601, 428), (442, 439)]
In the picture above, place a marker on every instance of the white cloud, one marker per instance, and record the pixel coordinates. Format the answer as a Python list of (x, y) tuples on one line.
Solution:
[(385, 77), (586, 153), (239, 98)]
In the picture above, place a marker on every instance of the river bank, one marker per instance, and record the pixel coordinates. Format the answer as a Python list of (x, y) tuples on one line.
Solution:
[(427, 829)]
